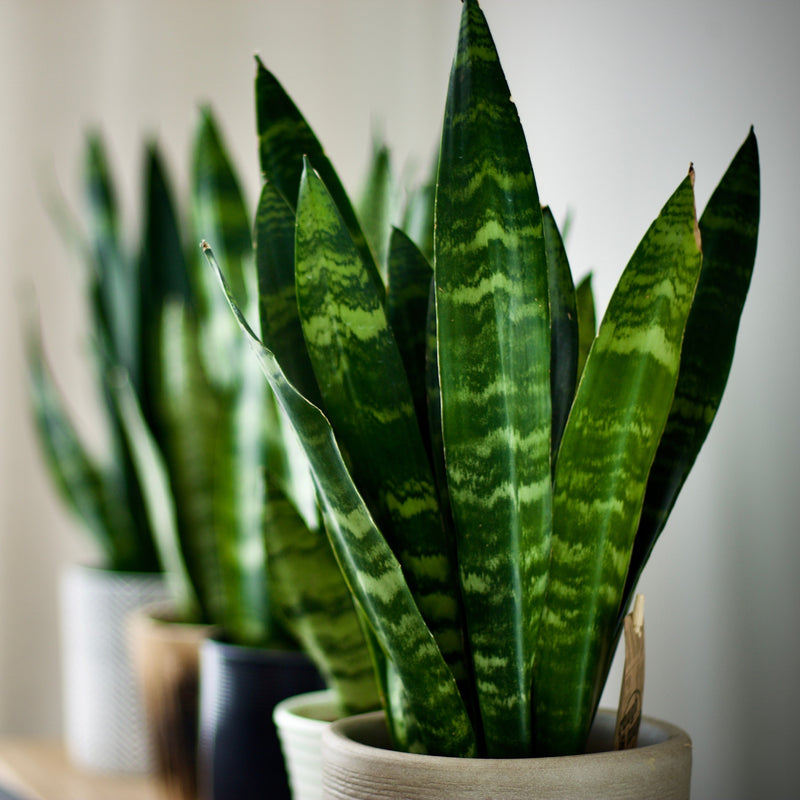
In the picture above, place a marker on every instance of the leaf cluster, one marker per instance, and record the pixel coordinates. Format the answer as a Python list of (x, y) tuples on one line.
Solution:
[(202, 479), (492, 471)]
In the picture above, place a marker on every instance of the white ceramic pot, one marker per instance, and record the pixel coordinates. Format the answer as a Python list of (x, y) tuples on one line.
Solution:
[(104, 727), (300, 721), (358, 763)]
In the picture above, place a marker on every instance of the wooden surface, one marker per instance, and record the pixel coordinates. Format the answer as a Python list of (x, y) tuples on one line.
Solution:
[(42, 771)]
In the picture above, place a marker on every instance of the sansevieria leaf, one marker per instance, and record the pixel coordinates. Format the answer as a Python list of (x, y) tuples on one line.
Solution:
[(220, 216), (564, 339), (728, 255), (608, 446), (372, 411), (90, 489), (158, 498), (376, 206), (587, 320), (280, 322), (373, 573), (318, 610), (284, 140), (408, 294), (113, 283), (163, 278), (494, 358)]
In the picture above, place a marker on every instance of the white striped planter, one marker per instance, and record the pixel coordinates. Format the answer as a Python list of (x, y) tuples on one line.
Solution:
[(104, 725), (300, 721)]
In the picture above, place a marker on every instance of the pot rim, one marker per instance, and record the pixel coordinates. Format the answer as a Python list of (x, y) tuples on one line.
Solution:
[(242, 652), (81, 567), (662, 738), (160, 620), (290, 711)]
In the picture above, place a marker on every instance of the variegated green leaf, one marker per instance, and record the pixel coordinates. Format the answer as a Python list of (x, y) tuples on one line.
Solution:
[(92, 492), (217, 456), (285, 139), (158, 499), (494, 358), (587, 322), (376, 206), (115, 301), (374, 575), (417, 220), (408, 296), (114, 306), (563, 329), (219, 216), (192, 419), (280, 322), (244, 501), (606, 453), (729, 231), (368, 401), (312, 598), (163, 278)]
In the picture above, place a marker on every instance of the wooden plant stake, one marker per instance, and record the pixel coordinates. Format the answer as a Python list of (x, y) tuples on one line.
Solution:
[(629, 713)]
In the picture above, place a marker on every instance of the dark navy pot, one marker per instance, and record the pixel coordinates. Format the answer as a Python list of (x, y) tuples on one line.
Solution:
[(239, 754)]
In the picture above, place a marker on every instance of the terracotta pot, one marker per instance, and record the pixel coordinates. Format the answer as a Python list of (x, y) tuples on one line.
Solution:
[(239, 755), (166, 656), (300, 721), (358, 763), (104, 727)]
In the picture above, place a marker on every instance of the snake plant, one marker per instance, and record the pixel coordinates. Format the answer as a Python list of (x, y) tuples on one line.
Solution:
[(492, 472), (103, 490), (214, 484)]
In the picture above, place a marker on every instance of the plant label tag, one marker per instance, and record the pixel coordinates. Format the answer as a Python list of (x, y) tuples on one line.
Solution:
[(629, 713)]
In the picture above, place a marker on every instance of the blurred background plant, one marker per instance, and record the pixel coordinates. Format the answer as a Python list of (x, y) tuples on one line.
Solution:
[(200, 478)]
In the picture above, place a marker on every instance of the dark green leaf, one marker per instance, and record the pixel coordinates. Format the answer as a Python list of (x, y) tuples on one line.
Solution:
[(158, 499), (368, 401), (494, 358), (587, 323), (407, 299), (319, 612), (285, 139), (96, 495), (729, 231), (563, 329), (376, 206), (115, 300), (373, 573), (163, 275), (219, 216), (609, 444), (280, 322)]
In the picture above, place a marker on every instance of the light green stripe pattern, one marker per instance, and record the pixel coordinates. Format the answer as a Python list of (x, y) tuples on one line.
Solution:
[(493, 355), (728, 256), (372, 411), (372, 572), (609, 444)]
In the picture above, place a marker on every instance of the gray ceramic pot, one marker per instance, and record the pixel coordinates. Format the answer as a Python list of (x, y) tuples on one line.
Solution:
[(300, 721), (358, 763)]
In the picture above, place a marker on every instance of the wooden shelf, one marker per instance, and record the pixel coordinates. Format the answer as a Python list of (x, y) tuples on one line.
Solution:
[(41, 771)]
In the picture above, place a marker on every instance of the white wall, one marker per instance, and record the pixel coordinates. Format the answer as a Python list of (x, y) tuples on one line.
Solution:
[(617, 98)]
